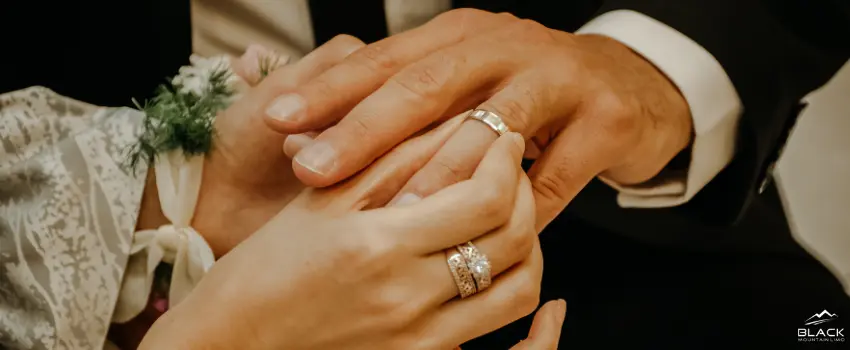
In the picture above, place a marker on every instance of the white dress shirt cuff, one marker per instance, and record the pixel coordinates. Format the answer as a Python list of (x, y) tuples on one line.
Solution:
[(714, 104)]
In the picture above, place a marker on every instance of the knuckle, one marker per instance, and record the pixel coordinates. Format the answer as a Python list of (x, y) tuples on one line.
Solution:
[(376, 58), (533, 32), (516, 112), (550, 185), (360, 127), (322, 88), (369, 251), (394, 306), (402, 340), (508, 15), (458, 16), (424, 81), (346, 40), (617, 118), (464, 19), (527, 298), (449, 170), (522, 235), (493, 204)]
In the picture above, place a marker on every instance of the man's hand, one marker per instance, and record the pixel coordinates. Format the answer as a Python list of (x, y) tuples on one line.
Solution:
[(589, 103)]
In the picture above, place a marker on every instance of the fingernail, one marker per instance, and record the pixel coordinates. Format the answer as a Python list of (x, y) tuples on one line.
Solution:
[(286, 108), (295, 143), (319, 157), (561, 311), (405, 199)]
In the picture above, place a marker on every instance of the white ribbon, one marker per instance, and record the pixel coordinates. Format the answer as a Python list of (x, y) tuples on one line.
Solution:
[(178, 181)]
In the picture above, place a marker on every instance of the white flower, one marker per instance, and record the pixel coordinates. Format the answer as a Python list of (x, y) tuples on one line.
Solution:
[(195, 79)]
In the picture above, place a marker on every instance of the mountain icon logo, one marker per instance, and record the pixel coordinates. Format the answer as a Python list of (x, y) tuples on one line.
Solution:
[(820, 317)]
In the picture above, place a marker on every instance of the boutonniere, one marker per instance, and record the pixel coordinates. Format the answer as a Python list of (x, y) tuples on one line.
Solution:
[(181, 115)]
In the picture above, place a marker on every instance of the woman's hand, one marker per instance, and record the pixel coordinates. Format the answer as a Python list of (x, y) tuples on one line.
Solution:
[(246, 179), (588, 102), (325, 273)]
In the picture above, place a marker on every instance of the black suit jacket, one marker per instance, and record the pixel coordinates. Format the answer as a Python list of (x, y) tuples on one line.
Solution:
[(774, 51)]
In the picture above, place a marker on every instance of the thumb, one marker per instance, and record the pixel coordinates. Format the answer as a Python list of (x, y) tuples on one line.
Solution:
[(546, 328), (567, 164)]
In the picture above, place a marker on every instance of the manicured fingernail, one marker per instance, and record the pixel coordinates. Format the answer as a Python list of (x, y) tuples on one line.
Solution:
[(319, 157), (295, 143), (405, 199), (287, 108), (561, 311)]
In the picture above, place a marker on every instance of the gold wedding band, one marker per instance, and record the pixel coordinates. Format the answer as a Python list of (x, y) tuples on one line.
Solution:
[(492, 120), (460, 272), (478, 265)]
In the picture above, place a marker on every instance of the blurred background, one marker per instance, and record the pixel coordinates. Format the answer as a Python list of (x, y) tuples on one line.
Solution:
[(813, 176)]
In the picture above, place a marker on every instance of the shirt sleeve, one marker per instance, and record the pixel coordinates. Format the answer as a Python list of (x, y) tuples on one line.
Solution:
[(714, 105)]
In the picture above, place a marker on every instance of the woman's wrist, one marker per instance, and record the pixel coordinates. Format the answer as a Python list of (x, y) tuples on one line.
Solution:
[(150, 210), (195, 324)]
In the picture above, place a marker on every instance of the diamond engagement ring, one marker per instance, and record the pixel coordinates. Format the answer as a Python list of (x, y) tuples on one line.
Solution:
[(460, 273), (478, 265), (490, 119)]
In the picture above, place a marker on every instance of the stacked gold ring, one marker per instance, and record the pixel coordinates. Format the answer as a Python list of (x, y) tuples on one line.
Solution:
[(461, 274), (478, 265), (470, 269)]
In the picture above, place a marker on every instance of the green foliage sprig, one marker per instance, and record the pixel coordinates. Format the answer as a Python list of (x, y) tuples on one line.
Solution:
[(179, 118)]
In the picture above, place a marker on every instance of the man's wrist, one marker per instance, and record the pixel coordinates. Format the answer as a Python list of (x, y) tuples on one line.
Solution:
[(712, 99), (668, 126)]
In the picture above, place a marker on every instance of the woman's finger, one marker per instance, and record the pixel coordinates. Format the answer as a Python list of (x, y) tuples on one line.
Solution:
[(454, 162), (545, 330), (503, 247), (244, 117), (260, 153), (523, 105), (246, 144), (255, 63), (376, 185), (513, 295), (463, 211), (318, 61)]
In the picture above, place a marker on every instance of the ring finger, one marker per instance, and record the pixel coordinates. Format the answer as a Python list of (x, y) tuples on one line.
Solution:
[(517, 105), (503, 247), (513, 295)]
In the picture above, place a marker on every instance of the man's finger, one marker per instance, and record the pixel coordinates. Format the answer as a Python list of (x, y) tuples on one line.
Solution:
[(443, 83), (294, 143), (330, 96), (261, 151), (580, 152), (546, 328), (520, 105)]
